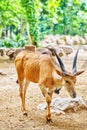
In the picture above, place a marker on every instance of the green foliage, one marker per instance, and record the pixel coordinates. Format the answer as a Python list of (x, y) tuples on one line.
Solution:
[(32, 13), (11, 12), (14, 42), (1, 43), (64, 17), (43, 17)]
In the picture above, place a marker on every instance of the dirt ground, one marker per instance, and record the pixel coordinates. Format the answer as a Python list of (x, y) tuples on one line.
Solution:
[(11, 117)]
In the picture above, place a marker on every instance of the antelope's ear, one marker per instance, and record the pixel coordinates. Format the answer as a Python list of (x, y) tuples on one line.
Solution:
[(59, 72), (79, 72)]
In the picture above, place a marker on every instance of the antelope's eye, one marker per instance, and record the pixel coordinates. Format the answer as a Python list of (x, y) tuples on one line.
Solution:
[(74, 82), (67, 81)]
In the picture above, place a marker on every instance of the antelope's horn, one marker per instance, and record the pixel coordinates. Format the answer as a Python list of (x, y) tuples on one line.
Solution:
[(59, 60), (74, 68)]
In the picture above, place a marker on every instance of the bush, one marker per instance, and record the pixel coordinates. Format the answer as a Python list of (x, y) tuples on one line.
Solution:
[(14, 41)]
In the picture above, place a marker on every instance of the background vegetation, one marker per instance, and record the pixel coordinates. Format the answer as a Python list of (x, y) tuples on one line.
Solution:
[(28, 21)]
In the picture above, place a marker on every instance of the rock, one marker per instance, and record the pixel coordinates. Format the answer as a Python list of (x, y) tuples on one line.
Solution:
[(57, 36), (1, 52), (61, 42), (85, 47), (1, 73), (86, 38), (10, 53), (76, 40), (67, 49), (61, 105), (17, 50), (84, 66), (82, 41), (30, 47), (59, 50), (69, 42), (44, 51)]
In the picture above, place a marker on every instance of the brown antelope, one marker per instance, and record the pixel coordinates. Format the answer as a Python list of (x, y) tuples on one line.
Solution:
[(39, 68)]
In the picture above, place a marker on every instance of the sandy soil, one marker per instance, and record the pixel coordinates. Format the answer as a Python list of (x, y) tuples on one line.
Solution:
[(11, 117)]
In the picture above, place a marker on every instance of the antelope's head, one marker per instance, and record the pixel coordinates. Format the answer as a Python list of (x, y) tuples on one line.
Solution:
[(69, 77)]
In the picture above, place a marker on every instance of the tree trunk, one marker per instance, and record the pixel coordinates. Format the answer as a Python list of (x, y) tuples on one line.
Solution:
[(1, 28)]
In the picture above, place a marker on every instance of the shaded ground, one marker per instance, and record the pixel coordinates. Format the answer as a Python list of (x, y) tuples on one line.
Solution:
[(11, 117)]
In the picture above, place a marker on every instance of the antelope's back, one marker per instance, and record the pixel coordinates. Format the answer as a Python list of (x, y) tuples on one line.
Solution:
[(27, 65), (34, 66)]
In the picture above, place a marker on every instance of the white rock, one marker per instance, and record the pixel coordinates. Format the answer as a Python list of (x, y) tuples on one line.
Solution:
[(60, 105)]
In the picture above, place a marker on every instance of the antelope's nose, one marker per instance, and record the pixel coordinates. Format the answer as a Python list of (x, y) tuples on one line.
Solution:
[(74, 95), (57, 90)]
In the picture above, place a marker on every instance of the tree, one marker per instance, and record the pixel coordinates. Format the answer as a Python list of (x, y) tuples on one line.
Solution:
[(11, 14), (64, 17), (31, 8)]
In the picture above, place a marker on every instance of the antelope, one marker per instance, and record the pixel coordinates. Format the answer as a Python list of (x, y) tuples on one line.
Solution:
[(39, 68)]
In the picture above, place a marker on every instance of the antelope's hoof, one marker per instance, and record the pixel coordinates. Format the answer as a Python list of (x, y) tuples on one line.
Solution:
[(25, 114), (49, 120)]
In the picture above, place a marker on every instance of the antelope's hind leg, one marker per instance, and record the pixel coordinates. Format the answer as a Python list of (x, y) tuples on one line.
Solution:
[(22, 90), (21, 82), (24, 98)]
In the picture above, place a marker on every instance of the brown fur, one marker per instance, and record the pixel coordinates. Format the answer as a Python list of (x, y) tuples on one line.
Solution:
[(39, 68)]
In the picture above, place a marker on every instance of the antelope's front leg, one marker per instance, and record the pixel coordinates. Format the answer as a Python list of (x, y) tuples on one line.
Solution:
[(48, 97), (48, 100)]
